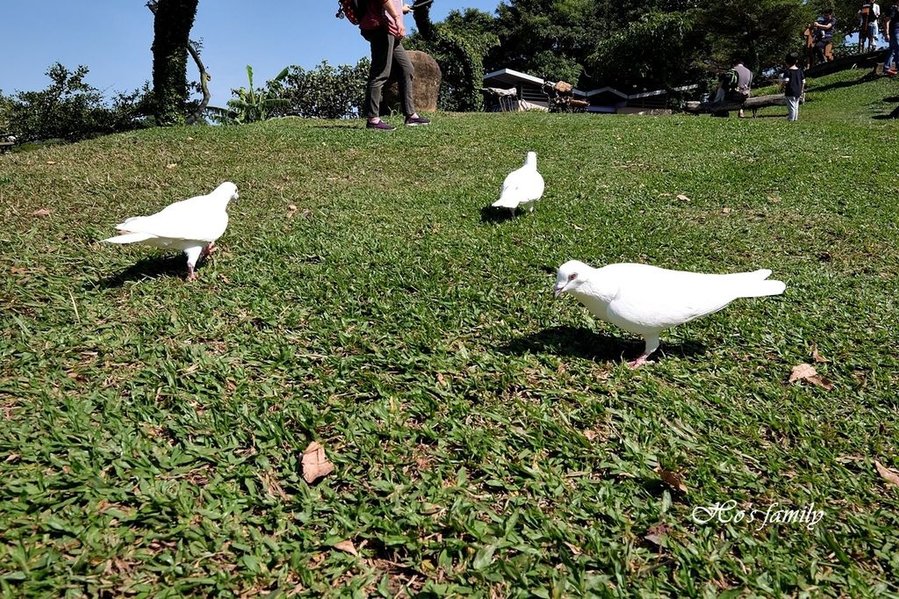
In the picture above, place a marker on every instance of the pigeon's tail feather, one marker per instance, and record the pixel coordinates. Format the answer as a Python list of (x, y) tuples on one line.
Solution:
[(762, 288), (128, 238), (506, 202)]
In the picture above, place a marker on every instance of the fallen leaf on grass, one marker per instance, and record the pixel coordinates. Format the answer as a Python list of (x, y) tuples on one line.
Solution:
[(891, 476), (315, 463), (171, 166), (41, 212), (802, 371), (807, 372), (672, 479), (683, 198), (346, 547)]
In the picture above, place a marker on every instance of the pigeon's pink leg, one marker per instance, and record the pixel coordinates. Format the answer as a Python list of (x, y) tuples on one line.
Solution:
[(193, 256), (207, 250), (633, 364), (652, 344)]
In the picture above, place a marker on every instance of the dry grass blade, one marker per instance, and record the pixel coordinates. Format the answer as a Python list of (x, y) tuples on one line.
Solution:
[(817, 357), (672, 479), (889, 475)]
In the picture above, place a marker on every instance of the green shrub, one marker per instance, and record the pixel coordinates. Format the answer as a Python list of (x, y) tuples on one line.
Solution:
[(325, 92), (71, 109)]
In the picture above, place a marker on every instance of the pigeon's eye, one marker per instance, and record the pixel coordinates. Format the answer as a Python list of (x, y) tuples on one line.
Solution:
[(572, 276)]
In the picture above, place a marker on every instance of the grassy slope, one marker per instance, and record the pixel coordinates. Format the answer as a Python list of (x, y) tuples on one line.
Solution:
[(485, 437)]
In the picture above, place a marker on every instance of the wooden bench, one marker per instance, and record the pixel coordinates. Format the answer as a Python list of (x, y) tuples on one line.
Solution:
[(754, 103), (6, 142)]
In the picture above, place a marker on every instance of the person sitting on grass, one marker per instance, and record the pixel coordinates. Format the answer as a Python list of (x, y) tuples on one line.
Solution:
[(734, 85)]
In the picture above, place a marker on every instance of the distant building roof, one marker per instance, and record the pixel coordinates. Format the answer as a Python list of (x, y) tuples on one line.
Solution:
[(602, 99), (659, 92), (606, 89), (513, 77)]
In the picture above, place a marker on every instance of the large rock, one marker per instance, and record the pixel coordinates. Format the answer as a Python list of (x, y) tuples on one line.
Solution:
[(425, 85)]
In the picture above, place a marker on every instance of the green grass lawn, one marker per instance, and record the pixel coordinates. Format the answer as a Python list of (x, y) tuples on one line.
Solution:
[(487, 439)]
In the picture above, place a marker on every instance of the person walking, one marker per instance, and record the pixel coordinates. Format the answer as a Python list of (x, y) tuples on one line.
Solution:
[(382, 26), (891, 35), (793, 79), (868, 16)]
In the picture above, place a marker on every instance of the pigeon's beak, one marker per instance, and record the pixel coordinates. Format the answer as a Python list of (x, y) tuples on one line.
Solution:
[(557, 291)]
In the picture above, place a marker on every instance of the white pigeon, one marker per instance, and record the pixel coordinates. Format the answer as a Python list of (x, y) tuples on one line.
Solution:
[(522, 187), (191, 225), (644, 299)]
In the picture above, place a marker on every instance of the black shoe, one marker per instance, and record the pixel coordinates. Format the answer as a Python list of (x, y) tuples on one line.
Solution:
[(380, 126), (416, 121)]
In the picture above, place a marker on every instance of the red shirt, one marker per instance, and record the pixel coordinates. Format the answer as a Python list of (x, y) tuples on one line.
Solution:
[(377, 16)]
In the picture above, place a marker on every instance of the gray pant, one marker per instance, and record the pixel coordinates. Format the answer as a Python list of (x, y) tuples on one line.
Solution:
[(792, 108), (387, 52)]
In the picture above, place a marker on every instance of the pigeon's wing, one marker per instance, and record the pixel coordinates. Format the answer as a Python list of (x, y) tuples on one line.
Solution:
[(520, 186), (537, 186), (191, 219), (655, 298)]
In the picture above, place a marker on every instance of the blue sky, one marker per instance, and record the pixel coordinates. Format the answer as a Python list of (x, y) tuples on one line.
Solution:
[(113, 37)]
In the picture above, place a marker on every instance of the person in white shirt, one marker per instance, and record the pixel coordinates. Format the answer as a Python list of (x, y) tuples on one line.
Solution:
[(868, 29)]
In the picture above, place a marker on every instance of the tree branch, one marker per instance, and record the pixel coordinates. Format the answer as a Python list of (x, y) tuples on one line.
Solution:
[(205, 77), (204, 83)]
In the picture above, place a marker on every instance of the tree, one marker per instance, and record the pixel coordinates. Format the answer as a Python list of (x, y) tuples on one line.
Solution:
[(459, 45), (546, 38), (630, 57), (172, 23), (6, 106), (761, 32), (643, 43)]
